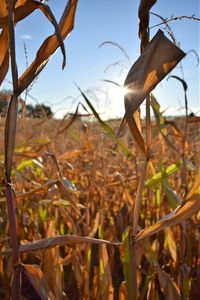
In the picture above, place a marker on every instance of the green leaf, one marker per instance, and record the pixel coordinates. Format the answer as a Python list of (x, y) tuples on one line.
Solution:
[(29, 163), (43, 213), (158, 115), (126, 259), (171, 195), (161, 122), (162, 175), (105, 126)]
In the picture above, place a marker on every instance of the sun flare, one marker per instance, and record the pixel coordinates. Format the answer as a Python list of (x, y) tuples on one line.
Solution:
[(117, 92)]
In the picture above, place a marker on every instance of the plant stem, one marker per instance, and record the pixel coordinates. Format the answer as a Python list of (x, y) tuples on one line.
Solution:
[(138, 199), (13, 224), (10, 135), (148, 125)]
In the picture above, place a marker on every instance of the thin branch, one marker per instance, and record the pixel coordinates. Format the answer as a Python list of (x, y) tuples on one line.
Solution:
[(172, 18)]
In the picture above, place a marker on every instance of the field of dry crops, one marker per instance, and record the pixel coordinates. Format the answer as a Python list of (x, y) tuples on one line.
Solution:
[(74, 183)]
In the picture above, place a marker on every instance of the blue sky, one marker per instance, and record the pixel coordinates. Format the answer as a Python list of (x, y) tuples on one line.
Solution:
[(98, 21)]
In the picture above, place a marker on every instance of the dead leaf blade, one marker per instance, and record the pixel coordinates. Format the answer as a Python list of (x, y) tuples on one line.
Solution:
[(168, 286), (49, 46), (4, 56), (159, 57), (38, 282), (179, 215), (58, 240)]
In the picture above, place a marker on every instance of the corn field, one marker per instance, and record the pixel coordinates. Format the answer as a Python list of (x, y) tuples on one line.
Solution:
[(98, 210)]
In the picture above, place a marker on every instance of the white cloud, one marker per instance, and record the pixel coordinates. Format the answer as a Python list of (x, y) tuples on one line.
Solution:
[(26, 37)]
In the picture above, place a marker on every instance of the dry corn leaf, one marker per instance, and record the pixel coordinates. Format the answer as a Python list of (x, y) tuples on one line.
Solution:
[(71, 121), (12, 46), (194, 119), (52, 268), (143, 13), (134, 120), (106, 287), (78, 270), (175, 128), (36, 278), (96, 223), (3, 10), (189, 207), (58, 240), (151, 292), (49, 46), (123, 294), (136, 133), (4, 56), (70, 154), (25, 8), (168, 286), (27, 154), (182, 213), (171, 243), (38, 191), (134, 125), (66, 191), (158, 58), (195, 188)]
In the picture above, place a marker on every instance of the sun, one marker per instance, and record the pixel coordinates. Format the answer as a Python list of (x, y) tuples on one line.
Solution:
[(117, 92)]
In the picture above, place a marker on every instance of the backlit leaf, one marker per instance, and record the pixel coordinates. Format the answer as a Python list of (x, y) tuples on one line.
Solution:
[(189, 207), (158, 58)]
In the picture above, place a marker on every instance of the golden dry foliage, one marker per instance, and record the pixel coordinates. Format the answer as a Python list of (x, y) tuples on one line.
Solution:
[(97, 181)]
